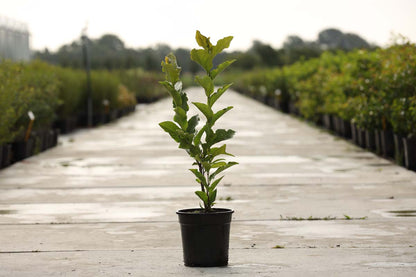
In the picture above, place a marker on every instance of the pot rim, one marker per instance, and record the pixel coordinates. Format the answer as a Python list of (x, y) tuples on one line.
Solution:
[(191, 211)]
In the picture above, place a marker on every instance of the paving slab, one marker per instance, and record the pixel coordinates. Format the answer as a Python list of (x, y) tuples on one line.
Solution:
[(103, 202)]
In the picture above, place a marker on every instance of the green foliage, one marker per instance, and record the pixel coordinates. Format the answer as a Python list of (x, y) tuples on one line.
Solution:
[(12, 102), (104, 87), (374, 89), (26, 87), (70, 91), (51, 92), (144, 85), (200, 144)]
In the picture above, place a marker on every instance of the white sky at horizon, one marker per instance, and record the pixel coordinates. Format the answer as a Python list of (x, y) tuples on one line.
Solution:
[(139, 24)]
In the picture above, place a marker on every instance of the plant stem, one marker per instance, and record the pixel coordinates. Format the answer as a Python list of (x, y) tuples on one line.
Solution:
[(208, 185), (201, 170)]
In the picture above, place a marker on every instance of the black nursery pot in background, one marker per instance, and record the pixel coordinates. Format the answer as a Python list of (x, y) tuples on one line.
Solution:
[(6, 155), (370, 140), (23, 149), (398, 149), (354, 136), (387, 143), (409, 145), (205, 236)]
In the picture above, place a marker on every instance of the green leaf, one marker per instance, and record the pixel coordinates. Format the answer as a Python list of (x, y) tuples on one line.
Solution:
[(206, 83), (171, 128), (221, 67), (220, 113), (220, 160), (203, 41), (180, 118), (194, 152), (203, 58), (206, 165), (215, 183), (171, 68), (177, 99), (205, 109), (214, 97), (212, 197), (221, 45), (221, 169), (215, 151), (185, 139), (184, 101), (192, 123), (203, 196), (200, 176), (220, 135), (197, 138), (218, 164)]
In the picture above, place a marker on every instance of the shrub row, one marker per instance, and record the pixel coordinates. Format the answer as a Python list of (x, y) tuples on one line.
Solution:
[(58, 98), (373, 90)]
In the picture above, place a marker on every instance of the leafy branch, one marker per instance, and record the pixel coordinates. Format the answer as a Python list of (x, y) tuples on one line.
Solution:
[(202, 144)]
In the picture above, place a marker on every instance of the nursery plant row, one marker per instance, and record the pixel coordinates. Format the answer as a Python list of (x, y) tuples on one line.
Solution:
[(366, 96), (38, 101)]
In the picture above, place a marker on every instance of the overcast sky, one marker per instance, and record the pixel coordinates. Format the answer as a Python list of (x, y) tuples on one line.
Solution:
[(138, 23)]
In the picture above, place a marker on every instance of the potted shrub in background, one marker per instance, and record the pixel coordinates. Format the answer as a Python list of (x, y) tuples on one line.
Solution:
[(205, 230)]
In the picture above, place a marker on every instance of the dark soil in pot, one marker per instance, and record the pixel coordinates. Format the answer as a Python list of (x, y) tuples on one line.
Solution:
[(205, 236)]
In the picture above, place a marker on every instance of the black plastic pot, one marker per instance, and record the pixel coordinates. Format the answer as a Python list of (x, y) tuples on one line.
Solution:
[(205, 236), (328, 123), (22, 149), (398, 149), (293, 109), (337, 125), (354, 136), (377, 141), (409, 145), (345, 128), (370, 140), (387, 143), (360, 137), (113, 115), (55, 136), (98, 119), (6, 155), (66, 125)]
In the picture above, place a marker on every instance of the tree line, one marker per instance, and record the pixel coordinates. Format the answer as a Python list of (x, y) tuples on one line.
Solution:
[(109, 52)]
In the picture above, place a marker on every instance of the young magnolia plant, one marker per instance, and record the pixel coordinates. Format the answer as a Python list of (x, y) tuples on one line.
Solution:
[(202, 145)]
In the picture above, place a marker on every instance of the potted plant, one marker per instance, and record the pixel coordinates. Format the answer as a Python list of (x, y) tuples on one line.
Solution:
[(205, 230)]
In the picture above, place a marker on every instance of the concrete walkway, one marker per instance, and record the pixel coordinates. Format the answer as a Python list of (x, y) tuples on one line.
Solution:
[(103, 202)]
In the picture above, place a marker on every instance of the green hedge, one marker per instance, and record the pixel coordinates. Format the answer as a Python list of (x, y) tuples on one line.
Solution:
[(24, 88), (145, 85), (54, 93), (374, 89)]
